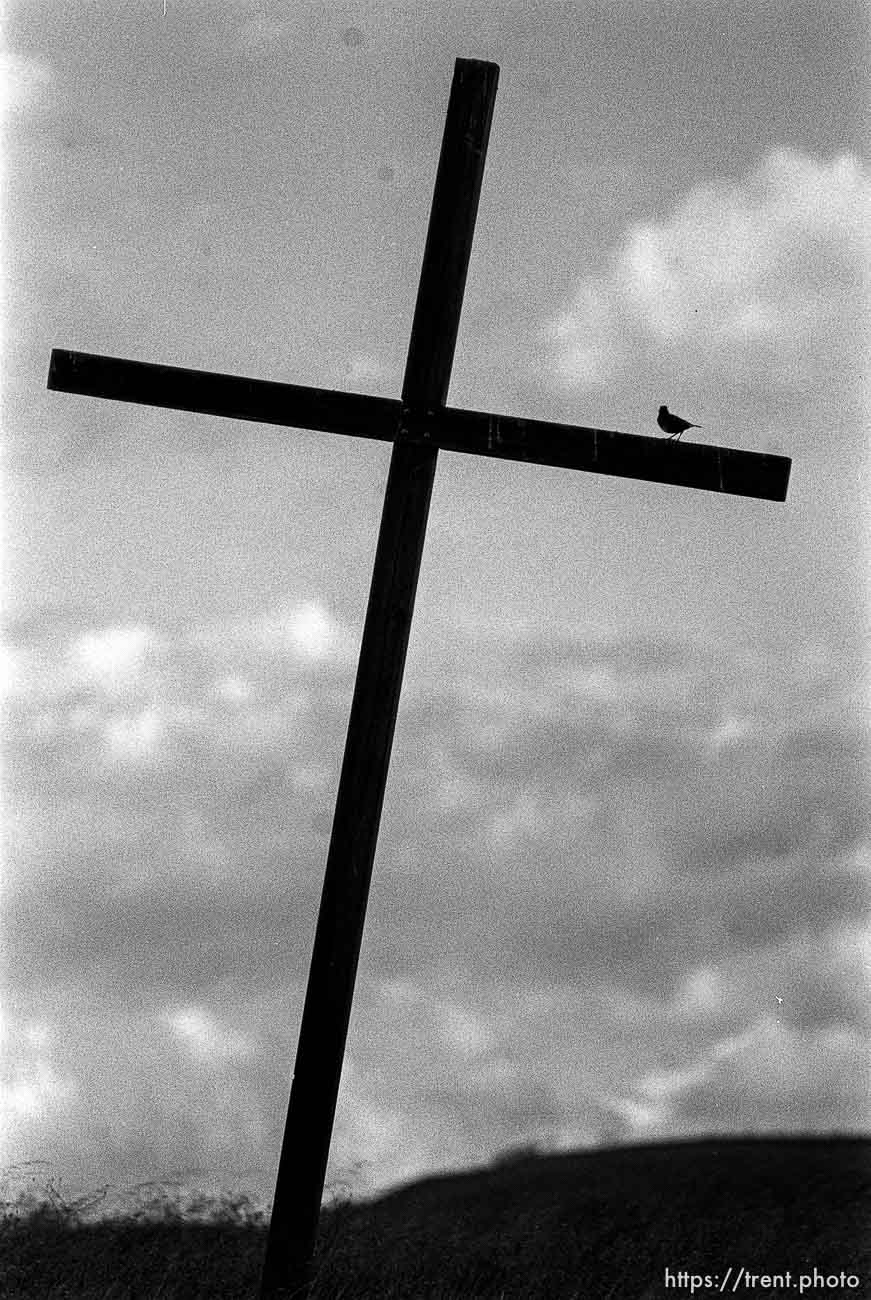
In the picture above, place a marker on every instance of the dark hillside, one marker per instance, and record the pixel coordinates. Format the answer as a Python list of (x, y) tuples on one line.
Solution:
[(603, 1223), (596, 1225)]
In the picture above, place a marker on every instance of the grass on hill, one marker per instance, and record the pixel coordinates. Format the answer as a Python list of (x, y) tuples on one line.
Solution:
[(597, 1225)]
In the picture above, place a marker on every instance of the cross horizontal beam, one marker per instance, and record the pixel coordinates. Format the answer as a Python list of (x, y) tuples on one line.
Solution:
[(539, 442)]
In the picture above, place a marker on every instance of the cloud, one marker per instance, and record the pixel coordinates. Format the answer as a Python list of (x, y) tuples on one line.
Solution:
[(24, 80), (113, 658), (364, 369), (769, 1078), (606, 814), (32, 1088), (599, 860), (204, 1038), (305, 630), (586, 339), (125, 1097), (464, 1031), (810, 980), (762, 274)]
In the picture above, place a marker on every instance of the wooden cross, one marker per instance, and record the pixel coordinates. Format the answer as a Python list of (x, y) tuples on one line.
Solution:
[(418, 425)]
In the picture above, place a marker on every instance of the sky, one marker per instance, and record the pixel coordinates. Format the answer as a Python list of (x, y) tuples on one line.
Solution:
[(621, 889)]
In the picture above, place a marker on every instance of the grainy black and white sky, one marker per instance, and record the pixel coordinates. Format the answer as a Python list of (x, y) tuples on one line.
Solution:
[(619, 890)]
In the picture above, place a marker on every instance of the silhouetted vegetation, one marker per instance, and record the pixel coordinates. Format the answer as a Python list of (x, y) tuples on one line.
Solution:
[(603, 1225)]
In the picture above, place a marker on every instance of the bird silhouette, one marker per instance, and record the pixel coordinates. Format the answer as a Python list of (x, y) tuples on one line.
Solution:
[(673, 425)]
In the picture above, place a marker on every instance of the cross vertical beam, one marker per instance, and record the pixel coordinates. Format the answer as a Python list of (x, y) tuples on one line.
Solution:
[(418, 425), (327, 1009)]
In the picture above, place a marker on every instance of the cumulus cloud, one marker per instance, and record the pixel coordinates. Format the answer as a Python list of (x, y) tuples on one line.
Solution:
[(759, 275), (601, 865)]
